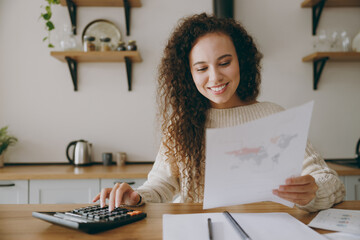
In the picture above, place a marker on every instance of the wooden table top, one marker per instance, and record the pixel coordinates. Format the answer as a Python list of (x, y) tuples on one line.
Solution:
[(17, 223), (71, 172)]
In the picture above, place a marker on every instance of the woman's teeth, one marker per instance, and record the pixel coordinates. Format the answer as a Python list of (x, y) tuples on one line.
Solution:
[(216, 89)]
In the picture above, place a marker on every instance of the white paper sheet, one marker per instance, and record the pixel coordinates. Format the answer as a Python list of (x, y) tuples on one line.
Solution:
[(246, 162), (259, 226), (338, 220), (342, 236)]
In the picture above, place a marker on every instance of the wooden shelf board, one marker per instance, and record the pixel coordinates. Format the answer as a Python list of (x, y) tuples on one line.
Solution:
[(331, 3), (103, 3), (111, 56), (334, 56)]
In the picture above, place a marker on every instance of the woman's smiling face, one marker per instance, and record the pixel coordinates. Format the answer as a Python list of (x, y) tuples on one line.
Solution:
[(215, 69)]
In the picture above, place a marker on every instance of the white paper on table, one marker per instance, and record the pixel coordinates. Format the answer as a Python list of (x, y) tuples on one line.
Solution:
[(267, 226), (342, 236), (246, 162), (338, 220)]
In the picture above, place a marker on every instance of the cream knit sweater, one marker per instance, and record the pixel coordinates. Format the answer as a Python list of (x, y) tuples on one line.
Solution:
[(165, 182)]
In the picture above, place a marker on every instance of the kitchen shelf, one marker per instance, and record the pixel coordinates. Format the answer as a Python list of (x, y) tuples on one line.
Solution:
[(73, 57), (318, 5), (127, 4), (320, 58)]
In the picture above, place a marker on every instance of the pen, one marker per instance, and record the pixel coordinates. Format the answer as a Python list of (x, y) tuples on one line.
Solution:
[(243, 234), (210, 229)]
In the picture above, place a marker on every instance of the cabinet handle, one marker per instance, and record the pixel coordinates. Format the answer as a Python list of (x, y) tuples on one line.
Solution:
[(130, 183), (7, 185)]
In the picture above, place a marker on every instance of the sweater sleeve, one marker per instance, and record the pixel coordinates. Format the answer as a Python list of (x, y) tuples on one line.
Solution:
[(162, 183), (330, 188)]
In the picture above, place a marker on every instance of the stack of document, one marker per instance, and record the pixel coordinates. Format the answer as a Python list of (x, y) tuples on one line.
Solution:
[(345, 221), (267, 226)]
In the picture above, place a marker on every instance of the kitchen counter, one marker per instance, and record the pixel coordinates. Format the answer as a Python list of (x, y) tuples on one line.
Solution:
[(100, 171), (344, 170), (72, 172)]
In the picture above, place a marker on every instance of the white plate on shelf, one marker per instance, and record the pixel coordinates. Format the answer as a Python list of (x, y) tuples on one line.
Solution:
[(102, 28)]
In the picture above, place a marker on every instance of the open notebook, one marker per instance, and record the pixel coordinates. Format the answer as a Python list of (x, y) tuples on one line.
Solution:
[(267, 226)]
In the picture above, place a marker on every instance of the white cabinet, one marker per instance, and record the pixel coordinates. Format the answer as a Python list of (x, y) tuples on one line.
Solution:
[(352, 185), (59, 191), (14, 192), (133, 182)]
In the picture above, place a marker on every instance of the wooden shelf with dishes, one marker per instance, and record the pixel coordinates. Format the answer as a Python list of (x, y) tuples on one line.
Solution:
[(331, 3), (73, 57), (318, 5), (126, 4), (320, 58)]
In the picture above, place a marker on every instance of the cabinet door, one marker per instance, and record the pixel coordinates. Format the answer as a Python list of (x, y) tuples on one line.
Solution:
[(133, 182), (63, 191), (14, 192), (342, 179), (352, 185)]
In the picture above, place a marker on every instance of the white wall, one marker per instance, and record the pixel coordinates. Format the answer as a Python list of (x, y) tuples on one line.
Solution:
[(37, 99)]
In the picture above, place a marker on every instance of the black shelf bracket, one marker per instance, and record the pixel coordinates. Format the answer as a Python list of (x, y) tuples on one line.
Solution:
[(316, 13), (73, 71), (127, 16), (128, 71), (72, 13), (317, 69)]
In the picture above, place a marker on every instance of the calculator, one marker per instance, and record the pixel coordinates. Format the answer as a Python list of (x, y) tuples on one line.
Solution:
[(92, 219)]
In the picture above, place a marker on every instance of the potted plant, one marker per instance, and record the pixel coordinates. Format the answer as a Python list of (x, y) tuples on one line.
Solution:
[(5, 141), (49, 25)]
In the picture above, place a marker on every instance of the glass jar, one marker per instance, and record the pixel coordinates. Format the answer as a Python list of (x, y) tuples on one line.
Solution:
[(68, 41), (132, 45), (121, 46), (89, 44), (105, 44)]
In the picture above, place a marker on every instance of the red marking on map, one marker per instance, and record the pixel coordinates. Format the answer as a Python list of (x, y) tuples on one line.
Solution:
[(245, 151)]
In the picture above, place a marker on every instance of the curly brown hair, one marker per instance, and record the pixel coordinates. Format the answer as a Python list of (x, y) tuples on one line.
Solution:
[(183, 109)]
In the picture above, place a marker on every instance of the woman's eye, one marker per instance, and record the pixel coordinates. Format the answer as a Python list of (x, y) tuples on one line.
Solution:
[(201, 69), (225, 63)]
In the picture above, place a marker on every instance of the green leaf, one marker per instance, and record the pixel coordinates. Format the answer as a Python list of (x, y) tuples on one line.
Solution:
[(50, 25), (46, 16), (50, 45), (48, 9), (44, 39)]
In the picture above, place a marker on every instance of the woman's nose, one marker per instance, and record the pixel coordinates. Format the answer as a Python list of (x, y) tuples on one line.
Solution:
[(215, 75)]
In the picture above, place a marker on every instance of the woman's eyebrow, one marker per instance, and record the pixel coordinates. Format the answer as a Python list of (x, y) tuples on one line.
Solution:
[(224, 56), (219, 58)]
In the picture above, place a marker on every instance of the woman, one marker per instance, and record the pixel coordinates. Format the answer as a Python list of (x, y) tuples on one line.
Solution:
[(209, 77)]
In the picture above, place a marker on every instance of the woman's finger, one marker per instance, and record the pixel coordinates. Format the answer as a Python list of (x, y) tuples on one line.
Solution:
[(97, 197), (103, 195), (112, 197)]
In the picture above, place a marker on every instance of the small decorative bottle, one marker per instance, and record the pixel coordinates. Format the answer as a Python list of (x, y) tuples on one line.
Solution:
[(105, 44), (121, 46), (132, 45), (89, 44)]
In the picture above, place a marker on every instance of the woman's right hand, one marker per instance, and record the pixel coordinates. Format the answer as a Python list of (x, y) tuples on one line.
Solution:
[(120, 194)]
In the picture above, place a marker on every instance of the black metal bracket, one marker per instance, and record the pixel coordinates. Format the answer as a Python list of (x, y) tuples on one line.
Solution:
[(316, 13), (72, 12), (318, 69), (73, 71), (127, 16), (128, 71)]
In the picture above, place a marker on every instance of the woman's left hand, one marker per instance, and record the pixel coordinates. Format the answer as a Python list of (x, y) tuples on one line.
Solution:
[(300, 190)]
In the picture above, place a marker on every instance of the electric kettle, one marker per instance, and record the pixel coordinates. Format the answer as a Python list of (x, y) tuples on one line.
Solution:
[(81, 153)]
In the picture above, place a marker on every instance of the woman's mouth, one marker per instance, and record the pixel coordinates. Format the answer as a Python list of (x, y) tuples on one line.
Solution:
[(219, 89)]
